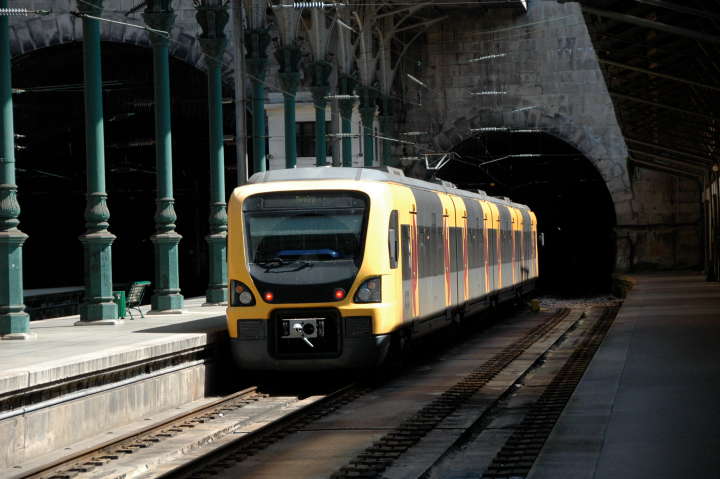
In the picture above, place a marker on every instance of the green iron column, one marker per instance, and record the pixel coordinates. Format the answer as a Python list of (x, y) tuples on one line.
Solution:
[(368, 98), (387, 120), (167, 298), (256, 43), (212, 17), (98, 306), (14, 321), (320, 89), (346, 85), (289, 59)]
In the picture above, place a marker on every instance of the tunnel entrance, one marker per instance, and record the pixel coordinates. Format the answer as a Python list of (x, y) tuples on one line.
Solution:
[(49, 123), (576, 215)]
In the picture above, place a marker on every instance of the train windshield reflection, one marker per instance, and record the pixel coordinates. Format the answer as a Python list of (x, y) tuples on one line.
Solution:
[(304, 227)]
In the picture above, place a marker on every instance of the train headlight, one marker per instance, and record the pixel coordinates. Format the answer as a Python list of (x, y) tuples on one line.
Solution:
[(240, 295), (370, 291)]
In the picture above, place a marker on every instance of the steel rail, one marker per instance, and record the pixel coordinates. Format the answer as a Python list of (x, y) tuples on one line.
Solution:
[(518, 454), (237, 450), (88, 453), (377, 458)]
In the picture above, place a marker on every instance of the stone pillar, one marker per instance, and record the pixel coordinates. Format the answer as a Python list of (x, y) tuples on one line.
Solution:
[(212, 16), (14, 321), (320, 89), (387, 122), (98, 306), (256, 43), (289, 59), (368, 99), (167, 298), (346, 86)]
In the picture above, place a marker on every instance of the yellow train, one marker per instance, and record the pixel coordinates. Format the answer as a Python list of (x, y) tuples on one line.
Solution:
[(328, 267)]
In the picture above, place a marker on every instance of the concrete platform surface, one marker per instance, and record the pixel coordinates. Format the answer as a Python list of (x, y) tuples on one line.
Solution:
[(62, 350), (649, 404)]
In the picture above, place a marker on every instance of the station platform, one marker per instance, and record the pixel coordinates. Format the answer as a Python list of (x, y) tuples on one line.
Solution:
[(72, 382), (649, 404)]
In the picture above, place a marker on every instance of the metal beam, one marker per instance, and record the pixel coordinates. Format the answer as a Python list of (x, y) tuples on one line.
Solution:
[(657, 74), (668, 161), (709, 161), (654, 25), (679, 9), (665, 169), (699, 147), (663, 106)]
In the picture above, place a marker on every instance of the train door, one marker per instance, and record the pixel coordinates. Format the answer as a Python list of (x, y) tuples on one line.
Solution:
[(505, 252), (476, 248), (492, 222), (527, 269), (459, 250), (518, 246), (535, 269), (409, 262)]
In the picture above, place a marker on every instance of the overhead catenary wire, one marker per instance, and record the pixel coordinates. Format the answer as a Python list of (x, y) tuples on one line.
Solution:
[(277, 88)]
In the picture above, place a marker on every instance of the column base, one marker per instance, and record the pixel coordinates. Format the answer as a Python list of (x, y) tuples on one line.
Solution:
[(216, 296), (15, 322), (18, 337), (96, 312), (167, 302)]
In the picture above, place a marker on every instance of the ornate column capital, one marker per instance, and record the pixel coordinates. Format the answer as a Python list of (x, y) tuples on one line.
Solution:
[(159, 15), (256, 45), (289, 59), (368, 97), (213, 16), (320, 88), (321, 71), (346, 84), (91, 7)]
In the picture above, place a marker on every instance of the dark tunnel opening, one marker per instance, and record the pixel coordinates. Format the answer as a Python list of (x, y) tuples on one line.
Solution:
[(51, 165), (576, 215)]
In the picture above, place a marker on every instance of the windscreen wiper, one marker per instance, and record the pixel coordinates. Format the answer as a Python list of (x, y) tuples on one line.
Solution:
[(275, 263)]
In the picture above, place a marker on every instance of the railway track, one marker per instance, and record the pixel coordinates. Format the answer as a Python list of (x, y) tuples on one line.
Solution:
[(128, 454), (379, 454), (396, 447), (102, 454)]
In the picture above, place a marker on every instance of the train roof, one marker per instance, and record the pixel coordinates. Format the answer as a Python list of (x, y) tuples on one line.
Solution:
[(387, 174)]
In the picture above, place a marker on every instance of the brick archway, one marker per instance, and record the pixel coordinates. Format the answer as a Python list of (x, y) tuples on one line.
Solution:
[(28, 34), (587, 142)]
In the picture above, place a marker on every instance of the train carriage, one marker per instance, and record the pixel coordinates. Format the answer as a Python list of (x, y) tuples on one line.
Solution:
[(327, 265)]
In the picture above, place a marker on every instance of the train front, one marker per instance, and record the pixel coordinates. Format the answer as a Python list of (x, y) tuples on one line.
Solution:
[(305, 280)]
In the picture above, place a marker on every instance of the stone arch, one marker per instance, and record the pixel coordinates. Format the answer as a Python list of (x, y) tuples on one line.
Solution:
[(611, 168), (34, 33)]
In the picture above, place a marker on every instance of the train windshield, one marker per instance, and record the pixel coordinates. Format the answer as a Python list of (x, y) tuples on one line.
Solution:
[(284, 230)]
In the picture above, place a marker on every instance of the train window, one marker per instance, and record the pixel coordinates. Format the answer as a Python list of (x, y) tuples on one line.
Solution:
[(291, 229), (393, 239)]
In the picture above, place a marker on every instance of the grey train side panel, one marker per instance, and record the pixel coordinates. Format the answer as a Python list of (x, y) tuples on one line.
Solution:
[(506, 252), (430, 257), (476, 247)]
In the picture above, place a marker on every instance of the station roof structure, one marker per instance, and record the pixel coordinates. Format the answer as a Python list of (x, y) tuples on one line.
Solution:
[(661, 61)]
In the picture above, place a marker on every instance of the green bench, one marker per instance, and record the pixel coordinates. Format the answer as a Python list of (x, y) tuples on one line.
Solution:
[(132, 299)]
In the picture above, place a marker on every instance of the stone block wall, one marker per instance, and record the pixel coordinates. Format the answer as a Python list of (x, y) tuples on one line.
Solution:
[(552, 81)]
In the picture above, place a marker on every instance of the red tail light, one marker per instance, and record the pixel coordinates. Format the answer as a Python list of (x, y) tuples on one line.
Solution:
[(269, 296), (339, 293)]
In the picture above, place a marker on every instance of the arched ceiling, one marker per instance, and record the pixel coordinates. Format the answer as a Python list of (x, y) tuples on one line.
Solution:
[(661, 61)]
